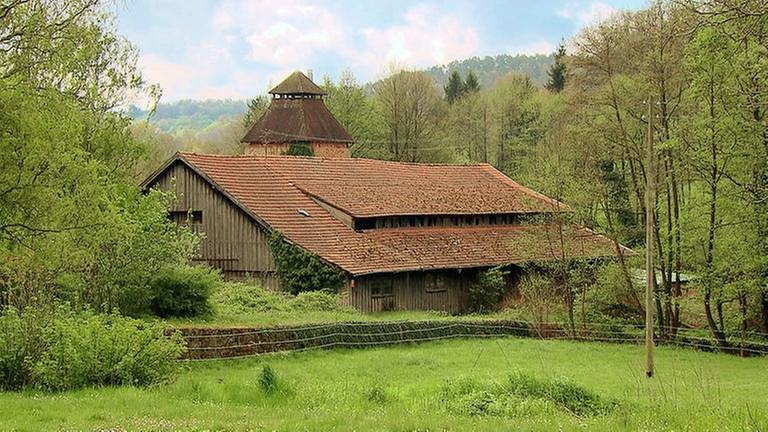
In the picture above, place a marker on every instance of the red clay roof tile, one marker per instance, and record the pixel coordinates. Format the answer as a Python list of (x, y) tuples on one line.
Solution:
[(276, 188)]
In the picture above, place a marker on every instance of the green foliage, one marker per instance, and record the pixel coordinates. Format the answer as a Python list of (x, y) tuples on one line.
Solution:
[(301, 148), (198, 114), (564, 393), (471, 84), (316, 301), (522, 395), (239, 298), (537, 294), (300, 270), (410, 113), (73, 223), (376, 394), (490, 68), (351, 105), (256, 108), (183, 291), (486, 294), (268, 380), (21, 343), (61, 350), (558, 71), (454, 89), (609, 296)]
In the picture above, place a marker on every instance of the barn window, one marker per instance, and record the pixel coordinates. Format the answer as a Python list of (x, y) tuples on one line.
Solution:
[(182, 217), (382, 287), (435, 283)]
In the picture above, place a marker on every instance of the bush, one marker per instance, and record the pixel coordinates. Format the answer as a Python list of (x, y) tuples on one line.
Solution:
[(300, 270), (377, 395), (66, 350), (485, 295), (315, 301), (564, 393), (183, 291), (234, 298), (538, 295), (268, 380), (21, 342), (301, 148), (522, 395)]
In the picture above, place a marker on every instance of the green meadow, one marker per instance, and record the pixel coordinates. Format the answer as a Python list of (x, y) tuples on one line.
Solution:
[(482, 385)]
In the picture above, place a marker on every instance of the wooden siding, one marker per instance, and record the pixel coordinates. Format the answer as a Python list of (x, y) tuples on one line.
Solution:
[(233, 241), (413, 291)]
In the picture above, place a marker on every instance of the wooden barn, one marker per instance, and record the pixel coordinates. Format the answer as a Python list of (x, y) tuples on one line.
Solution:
[(406, 235)]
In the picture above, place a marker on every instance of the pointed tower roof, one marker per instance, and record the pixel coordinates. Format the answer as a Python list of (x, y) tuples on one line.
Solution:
[(297, 112), (297, 83)]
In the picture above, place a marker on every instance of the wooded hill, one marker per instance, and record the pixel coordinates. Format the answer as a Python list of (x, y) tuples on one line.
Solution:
[(190, 115)]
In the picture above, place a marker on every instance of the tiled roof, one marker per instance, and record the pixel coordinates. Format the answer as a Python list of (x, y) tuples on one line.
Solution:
[(272, 189), (291, 120), (369, 188)]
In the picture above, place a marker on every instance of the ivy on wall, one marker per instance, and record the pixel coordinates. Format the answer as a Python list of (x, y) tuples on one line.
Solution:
[(299, 270), (300, 148)]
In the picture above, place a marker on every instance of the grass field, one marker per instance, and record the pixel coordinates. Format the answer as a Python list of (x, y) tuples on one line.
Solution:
[(413, 388)]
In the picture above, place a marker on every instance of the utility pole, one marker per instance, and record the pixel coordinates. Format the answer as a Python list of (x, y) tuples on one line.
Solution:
[(650, 275)]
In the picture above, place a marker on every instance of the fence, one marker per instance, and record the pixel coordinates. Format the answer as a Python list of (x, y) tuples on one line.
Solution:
[(218, 343)]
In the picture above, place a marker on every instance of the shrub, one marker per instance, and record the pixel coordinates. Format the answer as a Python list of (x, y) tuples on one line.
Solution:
[(521, 396), (268, 380), (315, 301), (20, 344), (234, 298), (564, 393), (376, 395), (183, 291), (486, 294), (300, 270), (301, 148), (537, 297), (66, 350)]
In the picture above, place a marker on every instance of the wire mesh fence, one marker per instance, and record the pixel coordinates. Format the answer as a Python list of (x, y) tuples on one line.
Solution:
[(221, 343)]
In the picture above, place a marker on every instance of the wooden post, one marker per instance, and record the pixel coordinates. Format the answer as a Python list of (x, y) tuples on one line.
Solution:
[(650, 275)]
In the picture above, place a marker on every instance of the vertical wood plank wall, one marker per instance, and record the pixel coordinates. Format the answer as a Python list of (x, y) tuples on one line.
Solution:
[(233, 242), (410, 292)]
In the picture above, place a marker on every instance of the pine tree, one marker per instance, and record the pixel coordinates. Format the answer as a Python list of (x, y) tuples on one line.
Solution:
[(557, 72), (471, 85), (455, 87)]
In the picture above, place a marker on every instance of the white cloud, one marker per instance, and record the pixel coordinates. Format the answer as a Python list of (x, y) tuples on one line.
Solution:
[(425, 38), (595, 12), (281, 33), (536, 47), (253, 44)]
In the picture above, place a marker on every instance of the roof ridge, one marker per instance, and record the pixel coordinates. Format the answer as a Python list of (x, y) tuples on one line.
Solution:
[(528, 191)]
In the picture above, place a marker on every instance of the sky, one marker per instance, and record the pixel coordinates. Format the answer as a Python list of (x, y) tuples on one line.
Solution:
[(200, 49)]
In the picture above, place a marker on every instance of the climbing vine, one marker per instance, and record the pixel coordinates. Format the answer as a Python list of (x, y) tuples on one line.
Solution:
[(300, 148), (300, 270)]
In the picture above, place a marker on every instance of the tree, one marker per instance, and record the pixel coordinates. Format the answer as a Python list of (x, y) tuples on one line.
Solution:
[(516, 114), (256, 108), (350, 104), (454, 89), (409, 108), (558, 71), (471, 84), (73, 223)]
